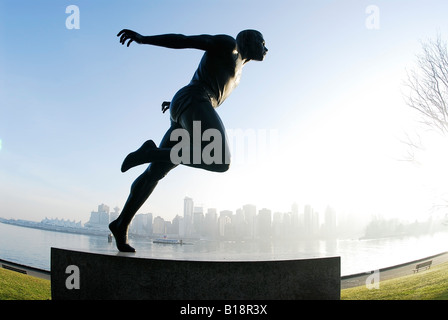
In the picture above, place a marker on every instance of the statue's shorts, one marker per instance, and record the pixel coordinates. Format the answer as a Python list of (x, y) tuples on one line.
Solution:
[(190, 96)]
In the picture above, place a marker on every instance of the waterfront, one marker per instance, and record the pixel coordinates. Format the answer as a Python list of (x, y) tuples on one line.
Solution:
[(31, 247)]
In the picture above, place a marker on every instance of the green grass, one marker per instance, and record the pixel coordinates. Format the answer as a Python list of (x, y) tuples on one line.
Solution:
[(431, 284), (17, 286)]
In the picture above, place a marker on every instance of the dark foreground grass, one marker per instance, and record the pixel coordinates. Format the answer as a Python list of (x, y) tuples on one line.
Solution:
[(17, 286), (431, 284)]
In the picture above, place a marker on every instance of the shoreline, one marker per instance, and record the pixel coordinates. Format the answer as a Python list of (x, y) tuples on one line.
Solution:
[(40, 226)]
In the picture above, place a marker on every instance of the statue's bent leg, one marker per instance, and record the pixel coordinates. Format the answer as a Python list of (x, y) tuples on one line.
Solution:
[(141, 189)]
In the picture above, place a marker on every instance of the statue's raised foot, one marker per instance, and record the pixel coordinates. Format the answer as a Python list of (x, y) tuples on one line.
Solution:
[(138, 157)]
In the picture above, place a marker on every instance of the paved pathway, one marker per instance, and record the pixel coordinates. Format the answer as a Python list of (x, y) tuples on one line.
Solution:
[(39, 273), (391, 272)]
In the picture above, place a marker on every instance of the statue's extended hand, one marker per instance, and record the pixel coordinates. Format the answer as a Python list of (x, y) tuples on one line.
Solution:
[(130, 35)]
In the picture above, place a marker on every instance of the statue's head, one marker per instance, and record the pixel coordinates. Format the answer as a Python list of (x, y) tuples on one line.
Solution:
[(251, 45)]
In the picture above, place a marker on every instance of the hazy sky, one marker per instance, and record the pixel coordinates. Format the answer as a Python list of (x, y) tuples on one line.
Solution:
[(74, 103)]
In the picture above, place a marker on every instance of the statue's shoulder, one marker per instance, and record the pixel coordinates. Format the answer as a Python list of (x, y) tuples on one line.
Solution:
[(224, 42)]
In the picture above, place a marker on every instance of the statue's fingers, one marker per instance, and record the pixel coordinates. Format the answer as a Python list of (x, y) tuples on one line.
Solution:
[(130, 40), (123, 31)]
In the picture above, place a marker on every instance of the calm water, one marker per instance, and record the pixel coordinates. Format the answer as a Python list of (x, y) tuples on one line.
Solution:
[(32, 247)]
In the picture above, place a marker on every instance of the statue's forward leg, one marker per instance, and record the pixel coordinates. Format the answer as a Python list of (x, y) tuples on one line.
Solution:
[(141, 189)]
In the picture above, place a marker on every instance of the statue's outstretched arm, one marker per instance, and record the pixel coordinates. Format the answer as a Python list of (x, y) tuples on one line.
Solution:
[(175, 41)]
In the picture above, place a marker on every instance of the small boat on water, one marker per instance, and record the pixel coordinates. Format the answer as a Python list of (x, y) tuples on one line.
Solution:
[(167, 241)]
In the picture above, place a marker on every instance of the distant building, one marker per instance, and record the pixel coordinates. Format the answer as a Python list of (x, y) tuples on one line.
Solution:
[(159, 227), (239, 224), (264, 223), (311, 222), (295, 219), (142, 224), (188, 215), (223, 222), (114, 215), (178, 226), (99, 219), (198, 221), (61, 223), (211, 223), (277, 225), (250, 215)]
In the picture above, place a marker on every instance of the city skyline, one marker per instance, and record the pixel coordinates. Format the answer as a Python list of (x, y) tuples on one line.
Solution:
[(198, 207), (246, 223)]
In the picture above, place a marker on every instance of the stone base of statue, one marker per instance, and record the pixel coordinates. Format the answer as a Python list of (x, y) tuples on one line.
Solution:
[(126, 276)]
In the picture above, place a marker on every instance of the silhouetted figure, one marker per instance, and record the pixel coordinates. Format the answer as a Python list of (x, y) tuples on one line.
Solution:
[(217, 75)]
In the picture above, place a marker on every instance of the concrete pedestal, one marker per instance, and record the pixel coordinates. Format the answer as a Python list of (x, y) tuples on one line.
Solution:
[(87, 275)]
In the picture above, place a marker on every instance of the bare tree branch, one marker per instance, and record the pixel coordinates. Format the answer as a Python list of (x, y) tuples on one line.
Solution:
[(428, 86), (413, 144), (428, 96)]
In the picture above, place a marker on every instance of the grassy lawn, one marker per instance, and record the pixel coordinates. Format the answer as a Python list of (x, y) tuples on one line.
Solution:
[(17, 286), (430, 284)]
